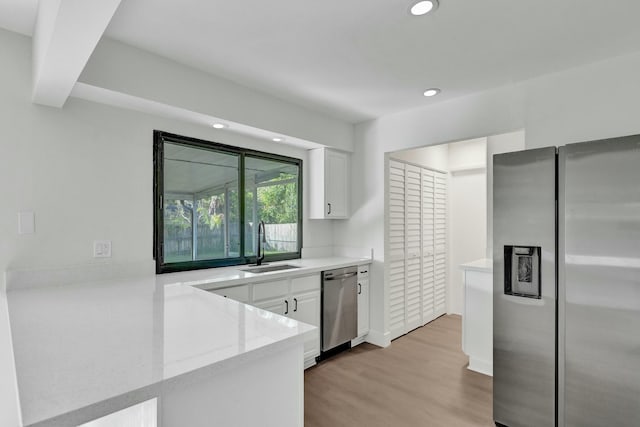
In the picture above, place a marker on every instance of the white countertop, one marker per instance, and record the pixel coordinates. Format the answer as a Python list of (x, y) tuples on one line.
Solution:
[(214, 278), (97, 347), (483, 264)]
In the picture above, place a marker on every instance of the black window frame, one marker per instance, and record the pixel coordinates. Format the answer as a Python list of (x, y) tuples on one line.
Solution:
[(159, 138)]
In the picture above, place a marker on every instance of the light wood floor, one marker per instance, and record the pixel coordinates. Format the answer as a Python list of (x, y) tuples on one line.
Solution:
[(420, 380)]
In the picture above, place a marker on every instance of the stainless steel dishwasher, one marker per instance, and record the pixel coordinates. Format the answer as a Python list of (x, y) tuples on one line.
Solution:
[(339, 308)]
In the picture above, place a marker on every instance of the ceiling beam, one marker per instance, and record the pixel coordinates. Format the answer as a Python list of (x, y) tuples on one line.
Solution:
[(65, 35)]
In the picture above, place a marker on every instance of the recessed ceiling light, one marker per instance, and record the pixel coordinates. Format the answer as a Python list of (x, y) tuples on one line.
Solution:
[(424, 7), (278, 139), (431, 92), (219, 125)]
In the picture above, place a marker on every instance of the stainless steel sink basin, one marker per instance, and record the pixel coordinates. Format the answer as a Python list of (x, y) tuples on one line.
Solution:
[(268, 268)]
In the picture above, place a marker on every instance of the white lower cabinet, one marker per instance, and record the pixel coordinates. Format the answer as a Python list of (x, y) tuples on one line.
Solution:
[(363, 304), (306, 308), (275, 305), (272, 296), (237, 293), (297, 298), (363, 308)]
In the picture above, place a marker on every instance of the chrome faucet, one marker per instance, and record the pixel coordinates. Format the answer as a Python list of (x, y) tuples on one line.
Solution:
[(262, 238)]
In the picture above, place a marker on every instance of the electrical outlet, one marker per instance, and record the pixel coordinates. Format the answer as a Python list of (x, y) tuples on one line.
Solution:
[(102, 248)]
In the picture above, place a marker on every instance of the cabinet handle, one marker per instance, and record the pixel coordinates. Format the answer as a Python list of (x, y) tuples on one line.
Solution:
[(286, 310), (329, 204), (359, 288), (296, 306)]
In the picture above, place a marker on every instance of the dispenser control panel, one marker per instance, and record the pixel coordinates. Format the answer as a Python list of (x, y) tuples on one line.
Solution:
[(522, 271)]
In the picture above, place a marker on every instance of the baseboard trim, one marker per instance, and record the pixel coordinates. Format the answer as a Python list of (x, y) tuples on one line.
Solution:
[(381, 339), (481, 366), (358, 340), (309, 362)]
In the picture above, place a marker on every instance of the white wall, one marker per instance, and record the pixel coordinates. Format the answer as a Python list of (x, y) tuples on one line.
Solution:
[(126, 69), (505, 143), (434, 157), (591, 102), (86, 172), (468, 212), (469, 154)]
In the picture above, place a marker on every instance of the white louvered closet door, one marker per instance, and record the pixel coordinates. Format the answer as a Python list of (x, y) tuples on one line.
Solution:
[(440, 230), (428, 239), (413, 246), (396, 248)]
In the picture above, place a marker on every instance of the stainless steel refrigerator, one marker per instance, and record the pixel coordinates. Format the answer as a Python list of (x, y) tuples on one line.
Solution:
[(567, 285)]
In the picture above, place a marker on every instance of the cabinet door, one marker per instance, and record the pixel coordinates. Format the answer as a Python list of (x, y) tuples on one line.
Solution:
[(277, 305), (413, 308), (237, 293), (336, 186), (363, 307), (396, 248), (305, 307), (413, 249), (428, 251), (305, 284), (270, 290), (440, 230)]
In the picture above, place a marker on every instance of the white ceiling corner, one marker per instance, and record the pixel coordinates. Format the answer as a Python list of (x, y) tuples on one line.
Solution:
[(18, 16)]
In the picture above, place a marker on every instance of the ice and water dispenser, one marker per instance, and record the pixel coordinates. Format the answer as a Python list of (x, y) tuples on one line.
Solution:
[(522, 271)]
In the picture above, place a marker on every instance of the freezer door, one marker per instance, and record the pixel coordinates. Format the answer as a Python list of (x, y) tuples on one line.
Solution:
[(599, 283), (524, 301)]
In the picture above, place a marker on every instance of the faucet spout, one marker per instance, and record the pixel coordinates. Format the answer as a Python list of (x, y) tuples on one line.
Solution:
[(262, 238)]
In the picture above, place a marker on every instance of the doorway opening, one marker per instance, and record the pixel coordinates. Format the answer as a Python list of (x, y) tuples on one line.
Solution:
[(438, 217)]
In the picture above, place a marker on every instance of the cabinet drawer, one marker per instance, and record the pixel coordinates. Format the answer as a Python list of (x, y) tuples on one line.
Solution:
[(307, 283), (268, 290), (238, 293)]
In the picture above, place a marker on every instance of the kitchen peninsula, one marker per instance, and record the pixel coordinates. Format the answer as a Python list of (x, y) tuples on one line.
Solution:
[(90, 348)]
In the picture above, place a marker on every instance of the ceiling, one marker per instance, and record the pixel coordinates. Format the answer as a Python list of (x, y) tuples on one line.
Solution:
[(361, 59)]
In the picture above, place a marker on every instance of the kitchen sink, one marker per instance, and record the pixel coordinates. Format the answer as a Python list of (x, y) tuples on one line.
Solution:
[(268, 268)]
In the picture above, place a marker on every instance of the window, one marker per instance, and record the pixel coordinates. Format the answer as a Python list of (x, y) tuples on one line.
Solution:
[(201, 220)]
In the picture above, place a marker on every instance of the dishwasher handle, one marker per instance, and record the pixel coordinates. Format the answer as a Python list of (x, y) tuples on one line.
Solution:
[(341, 277)]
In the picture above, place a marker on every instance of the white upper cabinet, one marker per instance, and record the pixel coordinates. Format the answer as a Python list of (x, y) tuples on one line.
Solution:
[(329, 184)]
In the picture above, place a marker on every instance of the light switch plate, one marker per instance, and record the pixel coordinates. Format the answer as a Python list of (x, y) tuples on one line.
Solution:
[(26, 222), (102, 248)]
